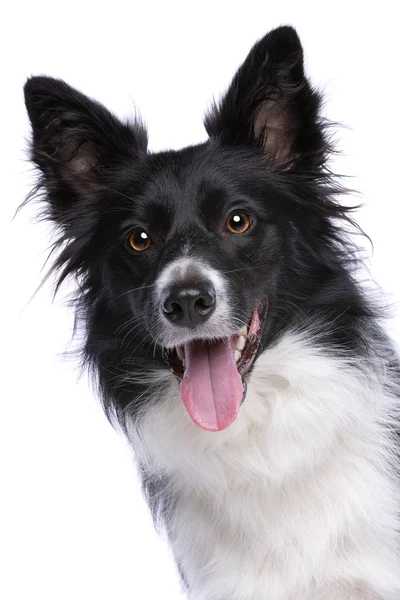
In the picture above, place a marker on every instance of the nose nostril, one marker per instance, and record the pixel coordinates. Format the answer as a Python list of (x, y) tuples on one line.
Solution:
[(173, 310), (203, 305), (172, 307)]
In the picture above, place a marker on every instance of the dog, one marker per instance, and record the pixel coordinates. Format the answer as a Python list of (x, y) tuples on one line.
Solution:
[(228, 335)]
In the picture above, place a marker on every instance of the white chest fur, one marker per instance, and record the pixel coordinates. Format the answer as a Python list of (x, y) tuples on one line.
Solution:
[(297, 499)]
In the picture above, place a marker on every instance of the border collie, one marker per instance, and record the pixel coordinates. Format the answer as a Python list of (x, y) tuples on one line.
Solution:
[(228, 334)]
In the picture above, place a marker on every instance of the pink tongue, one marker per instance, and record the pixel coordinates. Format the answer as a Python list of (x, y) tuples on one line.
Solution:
[(211, 389)]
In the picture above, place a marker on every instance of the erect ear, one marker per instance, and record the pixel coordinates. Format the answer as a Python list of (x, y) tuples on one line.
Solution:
[(75, 143), (271, 105)]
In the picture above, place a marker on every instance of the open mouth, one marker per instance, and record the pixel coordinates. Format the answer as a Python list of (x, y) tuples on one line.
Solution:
[(213, 374)]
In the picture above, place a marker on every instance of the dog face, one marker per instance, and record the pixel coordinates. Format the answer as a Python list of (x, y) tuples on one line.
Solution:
[(206, 238), (180, 255)]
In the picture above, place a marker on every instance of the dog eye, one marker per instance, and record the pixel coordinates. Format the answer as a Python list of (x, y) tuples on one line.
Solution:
[(238, 222), (139, 240)]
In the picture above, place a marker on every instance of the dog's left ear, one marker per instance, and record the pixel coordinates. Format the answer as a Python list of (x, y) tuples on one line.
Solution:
[(271, 105)]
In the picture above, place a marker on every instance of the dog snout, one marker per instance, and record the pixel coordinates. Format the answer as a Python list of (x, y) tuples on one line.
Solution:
[(189, 305)]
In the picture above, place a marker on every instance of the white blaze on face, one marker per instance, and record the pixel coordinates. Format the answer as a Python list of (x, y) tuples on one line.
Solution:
[(220, 324)]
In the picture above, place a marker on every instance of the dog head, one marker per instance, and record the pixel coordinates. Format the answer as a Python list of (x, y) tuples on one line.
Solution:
[(192, 256)]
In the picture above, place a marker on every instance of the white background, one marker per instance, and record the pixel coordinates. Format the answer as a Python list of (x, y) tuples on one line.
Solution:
[(73, 522)]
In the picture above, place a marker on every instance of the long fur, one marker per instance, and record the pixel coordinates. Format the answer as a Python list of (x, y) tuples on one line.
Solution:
[(299, 498)]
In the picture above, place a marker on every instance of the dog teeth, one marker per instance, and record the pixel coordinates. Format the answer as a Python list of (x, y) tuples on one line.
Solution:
[(237, 355), (181, 353), (241, 342), (242, 331)]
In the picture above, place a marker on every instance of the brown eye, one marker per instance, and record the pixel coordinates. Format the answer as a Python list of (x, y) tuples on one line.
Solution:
[(139, 240), (238, 222)]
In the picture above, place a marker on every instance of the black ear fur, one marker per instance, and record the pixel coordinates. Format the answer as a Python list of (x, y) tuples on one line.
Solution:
[(75, 141), (271, 105)]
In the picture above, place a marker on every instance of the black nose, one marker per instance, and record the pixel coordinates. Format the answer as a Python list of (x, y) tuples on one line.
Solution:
[(189, 305)]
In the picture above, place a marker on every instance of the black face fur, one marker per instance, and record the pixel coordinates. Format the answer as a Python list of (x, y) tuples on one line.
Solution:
[(266, 157)]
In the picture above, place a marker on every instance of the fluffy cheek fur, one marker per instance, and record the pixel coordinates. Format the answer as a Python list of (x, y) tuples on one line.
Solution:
[(296, 500)]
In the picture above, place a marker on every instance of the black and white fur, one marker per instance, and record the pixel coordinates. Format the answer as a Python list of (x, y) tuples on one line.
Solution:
[(299, 498)]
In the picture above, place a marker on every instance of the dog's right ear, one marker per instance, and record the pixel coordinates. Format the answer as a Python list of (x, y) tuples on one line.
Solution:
[(76, 143)]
